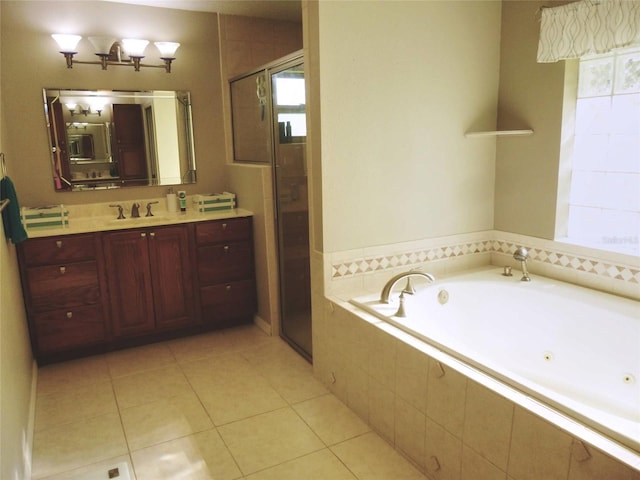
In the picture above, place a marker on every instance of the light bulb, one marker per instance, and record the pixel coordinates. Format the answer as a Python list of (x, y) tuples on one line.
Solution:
[(167, 49), (67, 43), (134, 47)]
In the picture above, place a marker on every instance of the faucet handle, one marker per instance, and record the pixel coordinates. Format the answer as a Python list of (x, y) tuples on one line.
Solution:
[(149, 214), (120, 211)]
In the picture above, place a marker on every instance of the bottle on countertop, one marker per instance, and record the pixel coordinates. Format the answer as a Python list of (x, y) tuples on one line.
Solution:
[(182, 200), (171, 201)]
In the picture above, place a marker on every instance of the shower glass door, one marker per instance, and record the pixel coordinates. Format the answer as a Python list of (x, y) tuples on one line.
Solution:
[(290, 182)]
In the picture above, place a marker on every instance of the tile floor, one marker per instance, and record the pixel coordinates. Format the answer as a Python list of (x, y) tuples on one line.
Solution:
[(235, 404)]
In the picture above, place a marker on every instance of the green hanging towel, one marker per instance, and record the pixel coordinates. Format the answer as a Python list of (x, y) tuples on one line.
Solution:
[(13, 228)]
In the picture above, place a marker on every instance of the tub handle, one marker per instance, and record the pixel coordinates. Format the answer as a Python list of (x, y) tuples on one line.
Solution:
[(401, 312)]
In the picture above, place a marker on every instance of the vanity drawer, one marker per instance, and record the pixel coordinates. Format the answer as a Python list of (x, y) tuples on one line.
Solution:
[(48, 250), (229, 261), (229, 300), (60, 286), (68, 328), (223, 230)]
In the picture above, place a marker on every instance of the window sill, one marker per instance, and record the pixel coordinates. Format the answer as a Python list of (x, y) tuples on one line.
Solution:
[(623, 246)]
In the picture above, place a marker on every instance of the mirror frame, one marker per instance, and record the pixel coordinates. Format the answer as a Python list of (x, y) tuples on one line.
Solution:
[(121, 165)]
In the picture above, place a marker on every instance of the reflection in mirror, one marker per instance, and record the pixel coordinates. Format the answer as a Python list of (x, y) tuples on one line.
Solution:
[(109, 139), (251, 120)]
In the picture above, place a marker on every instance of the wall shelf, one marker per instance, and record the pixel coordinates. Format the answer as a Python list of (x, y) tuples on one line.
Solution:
[(500, 133)]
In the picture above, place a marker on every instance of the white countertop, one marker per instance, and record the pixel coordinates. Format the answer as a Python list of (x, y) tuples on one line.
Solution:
[(102, 223)]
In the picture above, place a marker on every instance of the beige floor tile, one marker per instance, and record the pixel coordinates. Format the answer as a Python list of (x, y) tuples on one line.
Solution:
[(214, 372), (331, 419), (201, 456), (58, 377), (139, 359), (371, 458), (321, 465), (150, 385), (198, 347), (231, 389), (77, 444), (287, 372), (269, 439), (85, 401), (98, 471), (166, 419), (249, 336), (241, 399)]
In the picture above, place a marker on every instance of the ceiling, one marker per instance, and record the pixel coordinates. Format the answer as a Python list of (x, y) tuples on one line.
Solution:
[(275, 9)]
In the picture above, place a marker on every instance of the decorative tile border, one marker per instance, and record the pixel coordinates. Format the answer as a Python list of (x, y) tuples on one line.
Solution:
[(580, 263), (575, 262), (377, 263)]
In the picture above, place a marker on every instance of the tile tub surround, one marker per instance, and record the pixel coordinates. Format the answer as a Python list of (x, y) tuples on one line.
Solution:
[(449, 424), (366, 270)]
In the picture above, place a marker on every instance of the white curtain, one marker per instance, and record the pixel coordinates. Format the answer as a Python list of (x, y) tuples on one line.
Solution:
[(588, 26)]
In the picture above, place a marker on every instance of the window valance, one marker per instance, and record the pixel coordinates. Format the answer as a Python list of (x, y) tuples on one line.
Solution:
[(587, 27)]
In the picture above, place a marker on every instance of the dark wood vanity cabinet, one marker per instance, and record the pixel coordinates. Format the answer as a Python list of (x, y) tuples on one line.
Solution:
[(65, 293), (150, 280), (96, 292), (226, 271)]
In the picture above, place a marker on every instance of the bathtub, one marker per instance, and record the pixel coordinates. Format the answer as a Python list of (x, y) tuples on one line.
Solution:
[(574, 350)]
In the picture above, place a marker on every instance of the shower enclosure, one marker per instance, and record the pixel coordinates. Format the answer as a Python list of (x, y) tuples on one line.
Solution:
[(269, 126)]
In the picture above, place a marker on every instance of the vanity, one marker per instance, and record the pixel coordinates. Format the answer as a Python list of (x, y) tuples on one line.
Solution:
[(102, 284)]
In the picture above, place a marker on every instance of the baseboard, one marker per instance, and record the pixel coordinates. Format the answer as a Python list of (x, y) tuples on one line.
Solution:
[(262, 325), (27, 440)]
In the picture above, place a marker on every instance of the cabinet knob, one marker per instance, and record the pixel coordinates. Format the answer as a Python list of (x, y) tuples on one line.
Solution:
[(228, 288), (59, 243), (224, 226), (69, 314), (143, 234), (63, 270), (226, 249), (152, 234)]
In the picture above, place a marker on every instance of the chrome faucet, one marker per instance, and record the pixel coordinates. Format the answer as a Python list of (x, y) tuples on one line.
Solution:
[(386, 290), (135, 210), (521, 255)]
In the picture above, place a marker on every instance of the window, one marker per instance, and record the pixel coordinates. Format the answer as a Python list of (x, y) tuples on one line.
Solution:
[(290, 102), (604, 200)]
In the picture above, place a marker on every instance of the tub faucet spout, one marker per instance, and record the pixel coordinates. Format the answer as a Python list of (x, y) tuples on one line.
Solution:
[(386, 291), (521, 255)]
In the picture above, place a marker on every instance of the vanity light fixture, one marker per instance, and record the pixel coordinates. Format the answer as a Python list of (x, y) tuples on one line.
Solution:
[(112, 52), (86, 110)]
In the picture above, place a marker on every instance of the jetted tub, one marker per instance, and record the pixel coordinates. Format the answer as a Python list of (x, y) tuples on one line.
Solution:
[(574, 349)]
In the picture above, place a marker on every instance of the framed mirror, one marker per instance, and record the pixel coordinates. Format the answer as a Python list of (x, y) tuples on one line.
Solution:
[(102, 139)]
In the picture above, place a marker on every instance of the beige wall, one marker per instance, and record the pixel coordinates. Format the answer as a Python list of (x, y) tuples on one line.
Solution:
[(401, 82), (31, 62), (16, 362), (246, 44), (530, 96)]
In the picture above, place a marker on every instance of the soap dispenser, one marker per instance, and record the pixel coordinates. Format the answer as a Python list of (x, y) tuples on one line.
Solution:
[(171, 201)]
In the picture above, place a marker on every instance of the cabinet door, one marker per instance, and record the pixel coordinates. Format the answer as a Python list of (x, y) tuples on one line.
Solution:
[(131, 297), (171, 276)]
